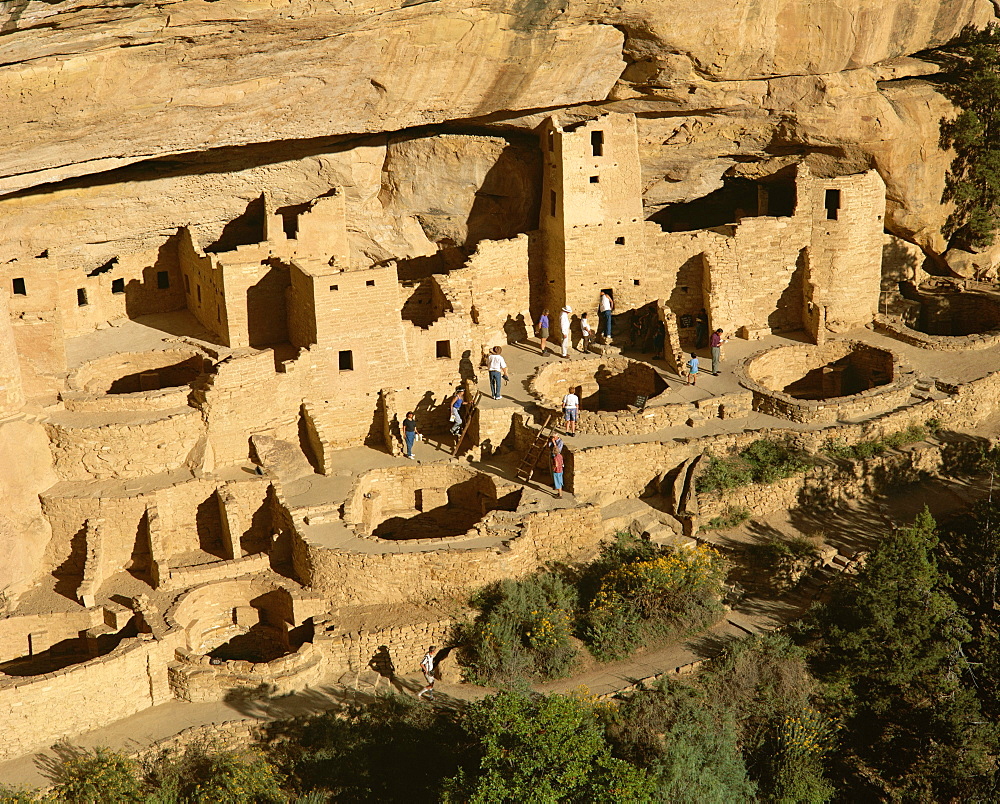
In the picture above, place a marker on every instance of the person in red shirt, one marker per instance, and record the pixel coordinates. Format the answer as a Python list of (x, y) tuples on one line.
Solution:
[(715, 341)]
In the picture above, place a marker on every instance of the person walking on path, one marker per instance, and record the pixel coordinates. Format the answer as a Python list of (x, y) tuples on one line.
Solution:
[(427, 667), (571, 411), (456, 412), (498, 369), (585, 333), (558, 463), (606, 308), (410, 433), (716, 342), (701, 330), (543, 329), (564, 324), (692, 365)]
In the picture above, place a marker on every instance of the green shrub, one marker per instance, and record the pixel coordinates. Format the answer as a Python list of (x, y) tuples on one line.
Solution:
[(640, 591), (870, 448), (523, 631), (763, 461), (205, 774), (774, 552), (733, 517), (98, 777)]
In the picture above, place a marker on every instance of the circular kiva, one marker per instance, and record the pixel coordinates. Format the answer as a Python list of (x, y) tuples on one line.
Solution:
[(945, 318), (613, 391), (840, 380), (139, 372)]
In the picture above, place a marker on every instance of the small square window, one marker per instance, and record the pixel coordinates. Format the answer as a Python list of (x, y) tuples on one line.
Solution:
[(81, 297), (619, 241), (370, 283), (595, 179), (162, 280), (117, 285), (347, 360), (444, 348), (19, 288), (187, 284), (635, 281), (334, 287)]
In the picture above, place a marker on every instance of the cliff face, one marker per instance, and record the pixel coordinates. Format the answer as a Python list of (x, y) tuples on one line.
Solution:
[(223, 97)]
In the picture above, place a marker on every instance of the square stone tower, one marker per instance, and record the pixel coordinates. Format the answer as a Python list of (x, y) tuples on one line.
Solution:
[(591, 217)]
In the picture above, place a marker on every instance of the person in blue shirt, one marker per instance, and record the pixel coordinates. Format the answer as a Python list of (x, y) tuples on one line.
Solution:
[(692, 366)]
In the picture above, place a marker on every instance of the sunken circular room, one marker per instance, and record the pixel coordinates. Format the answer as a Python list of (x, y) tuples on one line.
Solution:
[(942, 314), (840, 380)]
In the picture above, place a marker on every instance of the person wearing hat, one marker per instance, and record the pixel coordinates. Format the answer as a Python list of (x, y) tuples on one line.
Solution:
[(564, 328)]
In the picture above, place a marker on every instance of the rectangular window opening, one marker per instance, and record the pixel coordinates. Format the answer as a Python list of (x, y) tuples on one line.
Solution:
[(187, 285), (117, 285), (552, 140), (218, 314), (162, 280), (347, 360), (597, 142), (635, 281), (444, 349), (19, 287), (334, 287), (619, 241), (552, 203), (595, 179), (81, 297), (198, 289), (832, 203), (370, 283)]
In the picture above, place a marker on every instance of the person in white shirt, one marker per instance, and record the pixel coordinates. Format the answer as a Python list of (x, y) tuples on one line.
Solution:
[(585, 333), (498, 368), (427, 668), (564, 329), (571, 410), (606, 308)]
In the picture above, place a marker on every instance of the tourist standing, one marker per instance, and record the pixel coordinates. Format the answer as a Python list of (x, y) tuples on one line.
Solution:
[(555, 444), (716, 342), (606, 308), (543, 330), (571, 411), (558, 463), (585, 333), (692, 365), (498, 371), (410, 433), (456, 412), (427, 668), (564, 325)]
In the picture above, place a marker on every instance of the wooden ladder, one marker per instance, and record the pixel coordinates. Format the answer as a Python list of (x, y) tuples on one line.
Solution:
[(469, 413), (534, 452)]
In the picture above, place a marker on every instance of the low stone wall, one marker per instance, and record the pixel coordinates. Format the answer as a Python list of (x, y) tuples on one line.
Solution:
[(40, 710), (897, 328), (97, 376), (347, 578), (34, 633), (126, 447), (110, 403), (356, 649)]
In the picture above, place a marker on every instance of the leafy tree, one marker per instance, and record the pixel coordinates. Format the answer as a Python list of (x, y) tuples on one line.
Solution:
[(973, 180), (890, 647), (540, 750), (207, 775)]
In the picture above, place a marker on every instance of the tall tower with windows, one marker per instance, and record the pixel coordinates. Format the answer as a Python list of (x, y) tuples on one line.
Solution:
[(591, 217)]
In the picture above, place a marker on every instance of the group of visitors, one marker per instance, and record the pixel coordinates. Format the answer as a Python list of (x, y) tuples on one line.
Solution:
[(715, 341), (605, 308)]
